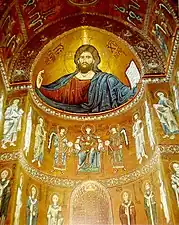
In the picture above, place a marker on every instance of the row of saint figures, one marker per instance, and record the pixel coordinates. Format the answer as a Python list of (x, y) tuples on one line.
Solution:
[(54, 214), (88, 146)]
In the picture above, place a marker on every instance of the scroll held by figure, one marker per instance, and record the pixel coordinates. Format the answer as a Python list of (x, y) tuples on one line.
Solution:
[(88, 89)]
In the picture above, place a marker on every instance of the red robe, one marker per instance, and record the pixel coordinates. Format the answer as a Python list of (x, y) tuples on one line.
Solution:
[(75, 92), (132, 213)]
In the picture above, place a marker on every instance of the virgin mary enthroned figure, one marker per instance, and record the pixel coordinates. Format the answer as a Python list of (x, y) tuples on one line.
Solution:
[(88, 89)]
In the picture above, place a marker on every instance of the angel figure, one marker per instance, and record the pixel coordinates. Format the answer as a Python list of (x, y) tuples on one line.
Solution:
[(117, 140), (88, 146), (40, 137), (164, 109), (62, 146), (138, 134)]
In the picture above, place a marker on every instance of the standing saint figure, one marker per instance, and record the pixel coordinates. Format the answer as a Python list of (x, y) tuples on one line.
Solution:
[(28, 132), (88, 89), (32, 207), (127, 212), (164, 109), (115, 143), (18, 202), (40, 137), (88, 147), (5, 195), (149, 126), (12, 124), (163, 199), (62, 148), (176, 94), (175, 181), (54, 214), (150, 204), (138, 134)]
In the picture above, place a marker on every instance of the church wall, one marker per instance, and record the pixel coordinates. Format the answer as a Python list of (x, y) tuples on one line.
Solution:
[(65, 181)]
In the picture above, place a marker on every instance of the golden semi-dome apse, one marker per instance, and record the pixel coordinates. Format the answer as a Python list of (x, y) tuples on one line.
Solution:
[(89, 112)]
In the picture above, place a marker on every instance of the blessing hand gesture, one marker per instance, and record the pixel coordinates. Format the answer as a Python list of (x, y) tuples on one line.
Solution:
[(39, 79)]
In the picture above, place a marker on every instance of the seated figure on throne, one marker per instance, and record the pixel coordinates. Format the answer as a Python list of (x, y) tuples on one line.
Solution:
[(88, 147)]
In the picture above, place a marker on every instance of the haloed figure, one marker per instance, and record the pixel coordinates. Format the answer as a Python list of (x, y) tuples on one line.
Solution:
[(88, 147), (127, 211), (54, 214), (18, 202), (150, 205), (164, 109), (175, 181), (40, 137), (5, 194), (88, 89), (32, 207), (12, 124), (138, 134)]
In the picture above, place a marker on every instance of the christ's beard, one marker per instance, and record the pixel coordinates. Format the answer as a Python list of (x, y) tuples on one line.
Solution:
[(85, 67)]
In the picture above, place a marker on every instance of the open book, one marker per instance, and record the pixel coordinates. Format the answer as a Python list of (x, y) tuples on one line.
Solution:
[(133, 74)]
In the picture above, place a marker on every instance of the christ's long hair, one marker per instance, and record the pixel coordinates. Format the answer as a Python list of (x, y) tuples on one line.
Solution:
[(94, 53)]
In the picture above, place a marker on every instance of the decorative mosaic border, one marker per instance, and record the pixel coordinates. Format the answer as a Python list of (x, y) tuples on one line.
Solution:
[(111, 182), (173, 56), (9, 156), (168, 149)]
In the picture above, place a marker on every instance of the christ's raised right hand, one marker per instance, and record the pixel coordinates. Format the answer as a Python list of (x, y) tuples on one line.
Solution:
[(39, 79)]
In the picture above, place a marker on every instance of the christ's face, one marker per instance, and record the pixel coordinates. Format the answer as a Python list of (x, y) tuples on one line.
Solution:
[(85, 62)]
